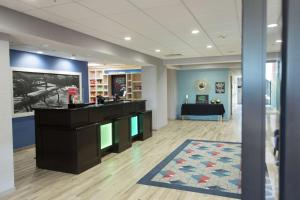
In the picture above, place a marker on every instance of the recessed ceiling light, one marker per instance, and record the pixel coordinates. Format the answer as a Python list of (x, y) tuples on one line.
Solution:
[(157, 50), (127, 38), (196, 31), (39, 52), (272, 25), (209, 46), (278, 41)]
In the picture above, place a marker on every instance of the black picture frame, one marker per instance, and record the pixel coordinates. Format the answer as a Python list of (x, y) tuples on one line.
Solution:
[(41, 89), (202, 99), (220, 87), (118, 82)]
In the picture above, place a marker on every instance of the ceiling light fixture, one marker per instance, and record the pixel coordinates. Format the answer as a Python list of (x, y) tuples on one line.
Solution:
[(196, 31), (278, 41), (272, 25), (209, 46), (73, 57), (40, 52), (127, 38), (157, 50)]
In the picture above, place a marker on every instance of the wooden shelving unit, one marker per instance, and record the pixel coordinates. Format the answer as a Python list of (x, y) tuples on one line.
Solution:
[(134, 86), (100, 84), (129, 86)]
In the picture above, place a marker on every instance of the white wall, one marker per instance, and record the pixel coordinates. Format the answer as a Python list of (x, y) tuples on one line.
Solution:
[(172, 93), (154, 83), (6, 145), (162, 97), (149, 85), (235, 74)]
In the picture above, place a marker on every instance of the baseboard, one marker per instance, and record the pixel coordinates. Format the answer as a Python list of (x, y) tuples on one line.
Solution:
[(7, 192), (24, 148)]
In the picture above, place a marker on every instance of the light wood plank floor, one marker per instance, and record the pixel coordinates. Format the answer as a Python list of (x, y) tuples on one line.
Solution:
[(116, 176)]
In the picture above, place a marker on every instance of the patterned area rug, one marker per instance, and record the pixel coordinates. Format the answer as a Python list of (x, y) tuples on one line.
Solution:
[(201, 166)]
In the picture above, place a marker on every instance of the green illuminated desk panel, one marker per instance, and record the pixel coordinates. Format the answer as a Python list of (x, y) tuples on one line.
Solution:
[(106, 135), (134, 126)]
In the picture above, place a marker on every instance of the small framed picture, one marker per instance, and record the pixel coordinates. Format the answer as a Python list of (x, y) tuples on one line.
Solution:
[(220, 87), (202, 99)]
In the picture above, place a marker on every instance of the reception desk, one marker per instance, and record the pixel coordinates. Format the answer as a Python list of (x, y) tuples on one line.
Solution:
[(74, 140)]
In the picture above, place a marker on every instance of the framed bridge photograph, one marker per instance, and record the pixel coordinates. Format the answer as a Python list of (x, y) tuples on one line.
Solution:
[(42, 89)]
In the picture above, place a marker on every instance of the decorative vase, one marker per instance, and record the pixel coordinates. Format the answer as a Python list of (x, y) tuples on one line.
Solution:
[(186, 99)]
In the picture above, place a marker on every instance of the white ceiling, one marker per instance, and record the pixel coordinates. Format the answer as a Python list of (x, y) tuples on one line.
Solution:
[(155, 24)]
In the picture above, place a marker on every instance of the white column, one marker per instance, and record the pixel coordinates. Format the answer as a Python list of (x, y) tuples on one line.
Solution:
[(6, 144), (149, 85), (154, 83), (162, 97), (172, 93)]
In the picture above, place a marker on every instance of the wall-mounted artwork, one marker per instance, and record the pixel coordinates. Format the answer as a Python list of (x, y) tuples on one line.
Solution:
[(42, 89), (202, 86), (220, 87), (118, 83), (202, 99)]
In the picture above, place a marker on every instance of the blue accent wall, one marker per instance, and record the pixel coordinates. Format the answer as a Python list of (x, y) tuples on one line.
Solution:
[(186, 80), (23, 127)]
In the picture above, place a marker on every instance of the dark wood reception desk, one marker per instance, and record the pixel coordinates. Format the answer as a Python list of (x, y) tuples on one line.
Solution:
[(72, 140)]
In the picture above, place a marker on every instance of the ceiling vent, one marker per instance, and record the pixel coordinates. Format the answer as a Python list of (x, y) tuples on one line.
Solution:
[(174, 54)]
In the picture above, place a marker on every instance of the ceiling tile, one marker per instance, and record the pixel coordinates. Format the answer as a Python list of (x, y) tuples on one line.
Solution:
[(144, 25), (215, 15), (16, 5), (233, 48), (153, 3), (45, 3), (167, 39), (72, 11), (226, 37), (103, 24), (108, 6), (138, 21), (44, 15), (173, 17), (219, 19), (181, 25)]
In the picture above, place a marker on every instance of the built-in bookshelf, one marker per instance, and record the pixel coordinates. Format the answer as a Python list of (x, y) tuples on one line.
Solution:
[(134, 86), (100, 84)]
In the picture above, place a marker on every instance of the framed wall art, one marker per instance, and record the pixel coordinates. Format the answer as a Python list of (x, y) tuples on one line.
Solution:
[(202, 99), (42, 88), (220, 87)]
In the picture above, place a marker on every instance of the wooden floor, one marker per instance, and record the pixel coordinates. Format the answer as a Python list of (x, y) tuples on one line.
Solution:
[(116, 176)]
